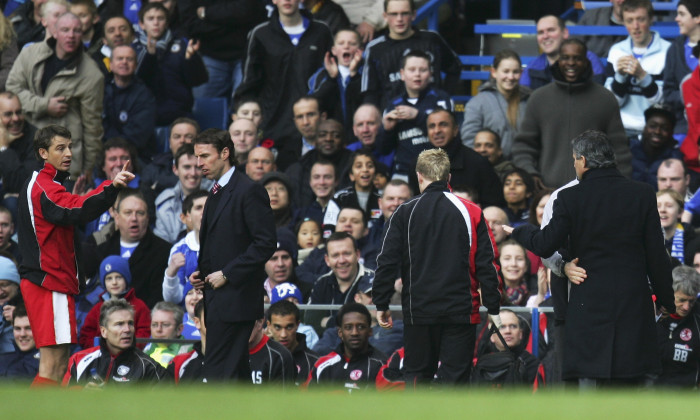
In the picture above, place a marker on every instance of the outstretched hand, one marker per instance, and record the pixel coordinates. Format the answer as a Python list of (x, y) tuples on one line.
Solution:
[(124, 177)]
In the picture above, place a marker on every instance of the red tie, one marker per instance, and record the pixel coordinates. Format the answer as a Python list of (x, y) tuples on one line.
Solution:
[(215, 189)]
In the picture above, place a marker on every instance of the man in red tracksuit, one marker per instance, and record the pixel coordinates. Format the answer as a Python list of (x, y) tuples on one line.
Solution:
[(47, 215)]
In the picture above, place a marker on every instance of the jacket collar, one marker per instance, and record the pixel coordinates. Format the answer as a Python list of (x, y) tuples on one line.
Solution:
[(437, 186), (600, 173), (55, 174)]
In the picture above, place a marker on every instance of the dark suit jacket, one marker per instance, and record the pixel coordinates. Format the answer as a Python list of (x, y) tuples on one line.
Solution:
[(612, 225), (237, 237)]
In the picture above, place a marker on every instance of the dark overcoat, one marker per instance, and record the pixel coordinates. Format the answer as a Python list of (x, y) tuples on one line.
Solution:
[(612, 225)]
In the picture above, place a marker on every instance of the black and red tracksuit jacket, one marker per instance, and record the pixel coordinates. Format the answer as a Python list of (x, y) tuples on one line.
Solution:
[(46, 219), (444, 250), (358, 373), (99, 366), (188, 367)]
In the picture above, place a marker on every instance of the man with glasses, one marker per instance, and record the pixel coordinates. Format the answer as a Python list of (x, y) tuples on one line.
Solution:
[(166, 324)]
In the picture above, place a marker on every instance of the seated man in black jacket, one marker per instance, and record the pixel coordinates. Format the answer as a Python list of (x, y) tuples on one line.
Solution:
[(116, 360), (355, 363)]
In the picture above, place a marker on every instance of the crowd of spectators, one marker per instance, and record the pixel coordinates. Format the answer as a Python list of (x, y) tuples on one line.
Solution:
[(330, 105)]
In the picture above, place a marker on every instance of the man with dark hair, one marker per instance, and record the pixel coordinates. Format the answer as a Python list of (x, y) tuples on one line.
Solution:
[(619, 268), (282, 54), (467, 167), (270, 362), (158, 175), (440, 281), (116, 360), (654, 145), (47, 215), (134, 240), (355, 363), (115, 153), (340, 284), (283, 319), (330, 142), (562, 110), (551, 31), (383, 56), (58, 84), (169, 202), (23, 362), (117, 32), (231, 272), (129, 106), (17, 161)]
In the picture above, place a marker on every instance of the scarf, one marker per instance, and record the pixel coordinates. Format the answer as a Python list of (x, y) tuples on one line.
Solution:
[(677, 248)]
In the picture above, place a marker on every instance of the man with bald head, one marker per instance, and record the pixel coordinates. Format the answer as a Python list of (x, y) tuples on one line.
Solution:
[(57, 84), (496, 218), (129, 106), (365, 127), (672, 174), (244, 134), (261, 160)]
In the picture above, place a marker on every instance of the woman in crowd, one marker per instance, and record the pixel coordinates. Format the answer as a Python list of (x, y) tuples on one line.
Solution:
[(518, 186), (515, 271), (500, 104)]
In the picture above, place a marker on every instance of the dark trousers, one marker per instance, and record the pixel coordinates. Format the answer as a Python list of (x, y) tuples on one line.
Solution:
[(226, 357), (450, 344)]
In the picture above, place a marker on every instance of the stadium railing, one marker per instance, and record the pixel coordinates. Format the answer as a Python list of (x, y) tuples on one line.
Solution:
[(534, 323)]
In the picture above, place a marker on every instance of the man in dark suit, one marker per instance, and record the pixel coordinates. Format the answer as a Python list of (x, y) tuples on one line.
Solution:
[(611, 226), (237, 237)]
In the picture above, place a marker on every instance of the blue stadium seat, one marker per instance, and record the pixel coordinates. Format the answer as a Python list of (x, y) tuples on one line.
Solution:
[(162, 139), (211, 113)]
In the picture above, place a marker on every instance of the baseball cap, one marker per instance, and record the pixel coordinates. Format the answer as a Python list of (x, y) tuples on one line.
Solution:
[(365, 284), (8, 270), (284, 291)]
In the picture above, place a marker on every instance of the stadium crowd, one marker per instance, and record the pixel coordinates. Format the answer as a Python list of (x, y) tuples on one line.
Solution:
[(331, 105)]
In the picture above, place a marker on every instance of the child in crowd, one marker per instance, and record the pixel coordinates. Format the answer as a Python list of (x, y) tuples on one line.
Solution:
[(248, 109), (169, 66), (308, 238), (89, 21), (116, 280), (404, 121), (192, 296), (336, 85), (362, 193), (184, 254)]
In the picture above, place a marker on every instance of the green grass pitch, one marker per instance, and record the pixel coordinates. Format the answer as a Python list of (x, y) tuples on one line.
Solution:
[(217, 402)]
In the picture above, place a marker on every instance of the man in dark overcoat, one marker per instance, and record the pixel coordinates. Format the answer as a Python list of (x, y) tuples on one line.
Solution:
[(611, 224)]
